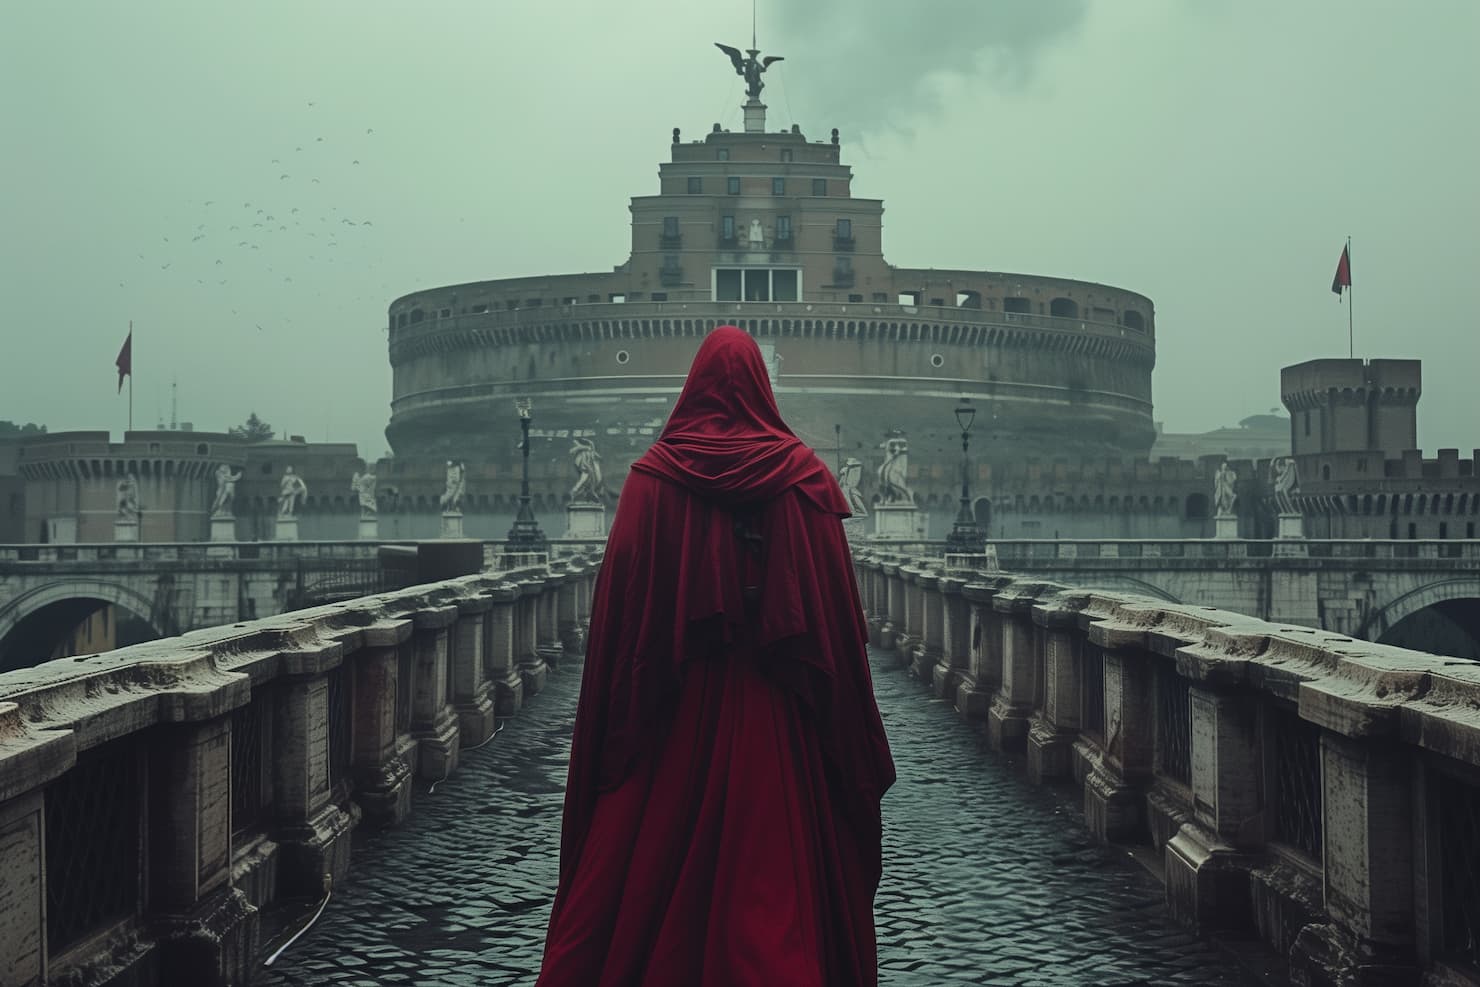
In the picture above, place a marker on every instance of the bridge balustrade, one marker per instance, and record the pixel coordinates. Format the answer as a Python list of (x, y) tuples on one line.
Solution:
[(1318, 791), (155, 799)]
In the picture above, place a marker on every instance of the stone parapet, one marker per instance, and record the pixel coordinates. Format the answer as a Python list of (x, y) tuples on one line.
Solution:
[(1315, 790), (214, 774)]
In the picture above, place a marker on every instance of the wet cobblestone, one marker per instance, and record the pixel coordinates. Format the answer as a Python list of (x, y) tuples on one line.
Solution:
[(987, 880)]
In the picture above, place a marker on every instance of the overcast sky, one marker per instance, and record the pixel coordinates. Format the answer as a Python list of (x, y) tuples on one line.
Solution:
[(1212, 155)]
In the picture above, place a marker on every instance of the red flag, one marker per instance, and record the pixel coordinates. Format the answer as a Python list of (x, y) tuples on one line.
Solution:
[(1343, 277), (125, 361)]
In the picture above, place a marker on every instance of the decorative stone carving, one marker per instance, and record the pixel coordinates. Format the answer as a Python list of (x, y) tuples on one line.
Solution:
[(1224, 494), (589, 488), (363, 486), (290, 489), (757, 236), (225, 491), (1285, 480), (127, 498), (894, 486), (848, 478), (452, 492)]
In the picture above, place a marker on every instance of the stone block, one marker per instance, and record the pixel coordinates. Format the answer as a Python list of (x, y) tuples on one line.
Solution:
[(285, 529), (1207, 882), (1112, 810), (22, 893), (1049, 752), (900, 522), (452, 525), (585, 521)]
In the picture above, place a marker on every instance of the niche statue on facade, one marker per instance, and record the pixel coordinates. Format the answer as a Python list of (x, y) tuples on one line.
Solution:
[(225, 491), (290, 489), (894, 472), (757, 235), (589, 487), (1224, 494)]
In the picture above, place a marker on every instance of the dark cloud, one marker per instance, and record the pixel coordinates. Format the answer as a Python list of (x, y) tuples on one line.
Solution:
[(867, 60)]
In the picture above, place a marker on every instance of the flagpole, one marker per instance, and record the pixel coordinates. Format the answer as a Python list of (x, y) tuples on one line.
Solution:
[(130, 375), (1351, 346)]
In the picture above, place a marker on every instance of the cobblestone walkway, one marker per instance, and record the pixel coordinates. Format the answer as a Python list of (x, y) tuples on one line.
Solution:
[(987, 880)]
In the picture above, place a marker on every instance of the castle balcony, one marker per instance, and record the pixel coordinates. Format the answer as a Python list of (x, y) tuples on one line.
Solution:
[(843, 244), (670, 241)]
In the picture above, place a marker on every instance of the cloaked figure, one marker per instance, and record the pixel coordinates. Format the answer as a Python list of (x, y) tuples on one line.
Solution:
[(722, 818)]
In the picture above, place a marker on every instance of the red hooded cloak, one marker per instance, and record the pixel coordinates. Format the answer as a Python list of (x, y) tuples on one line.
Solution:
[(722, 807)]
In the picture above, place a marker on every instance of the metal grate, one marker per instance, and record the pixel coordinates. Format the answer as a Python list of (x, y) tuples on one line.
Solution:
[(1296, 769), (249, 734), (92, 845), (405, 671), (1458, 807), (1173, 724), (1092, 690), (339, 724)]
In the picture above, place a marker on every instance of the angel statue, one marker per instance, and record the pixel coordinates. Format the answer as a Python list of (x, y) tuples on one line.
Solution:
[(848, 478), (589, 488), (894, 472), (128, 498), (1286, 482), (1224, 492), (290, 488), (452, 493), (226, 481), (363, 487), (749, 68)]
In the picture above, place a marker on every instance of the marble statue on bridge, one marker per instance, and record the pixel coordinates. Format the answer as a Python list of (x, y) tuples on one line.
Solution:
[(894, 472), (589, 488), (225, 491), (452, 492), (1224, 494), (1286, 483), (290, 489), (128, 499), (848, 478), (363, 487)]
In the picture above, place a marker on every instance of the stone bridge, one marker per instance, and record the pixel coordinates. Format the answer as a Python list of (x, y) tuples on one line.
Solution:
[(174, 812), (173, 588), (1418, 594)]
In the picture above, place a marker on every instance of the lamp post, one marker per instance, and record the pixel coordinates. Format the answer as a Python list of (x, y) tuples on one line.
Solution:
[(966, 536), (525, 535)]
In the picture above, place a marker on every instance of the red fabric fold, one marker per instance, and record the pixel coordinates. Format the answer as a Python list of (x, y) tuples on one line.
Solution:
[(726, 694)]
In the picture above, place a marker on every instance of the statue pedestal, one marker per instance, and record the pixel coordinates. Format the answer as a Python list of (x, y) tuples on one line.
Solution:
[(452, 526), (1225, 526), (585, 521), (125, 531), (287, 529), (899, 522), (369, 529), (1292, 526), (223, 528), (755, 116)]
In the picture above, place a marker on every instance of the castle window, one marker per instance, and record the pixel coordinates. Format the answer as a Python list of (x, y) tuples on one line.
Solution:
[(417, 315), (732, 186), (727, 285), (880, 298), (778, 186), (659, 296), (855, 298), (722, 154), (783, 229), (969, 299), (670, 227), (757, 286), (784, 286), (1017, 304), (727, 227), (1134, 320), (786, 154), (696, 186), (1064, 308), (845, 229), (445, 313), (909, 298), (819, 186), (617, 297)]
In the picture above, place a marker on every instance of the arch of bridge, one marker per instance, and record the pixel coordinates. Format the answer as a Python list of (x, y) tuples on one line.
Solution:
[(1440, 591), (32, 600)]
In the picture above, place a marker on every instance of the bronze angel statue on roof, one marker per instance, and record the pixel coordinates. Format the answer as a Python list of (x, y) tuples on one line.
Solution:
[(749, 68)]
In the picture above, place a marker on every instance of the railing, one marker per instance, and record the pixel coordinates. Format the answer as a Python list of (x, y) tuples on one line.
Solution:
[(289, 552), (1049, 552), (156, 798), (1322, 791)]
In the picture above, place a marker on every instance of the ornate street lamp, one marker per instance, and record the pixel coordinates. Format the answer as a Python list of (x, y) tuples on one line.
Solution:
[(525, 535), (966, 537)]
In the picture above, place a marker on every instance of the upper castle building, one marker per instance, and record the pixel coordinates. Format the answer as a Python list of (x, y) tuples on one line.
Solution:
[(761, 229)]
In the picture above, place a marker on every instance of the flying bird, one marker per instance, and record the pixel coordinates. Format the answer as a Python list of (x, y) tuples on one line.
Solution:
[(282, 176), (355, 161), (369, 130), (319, 140), (315, 181)]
